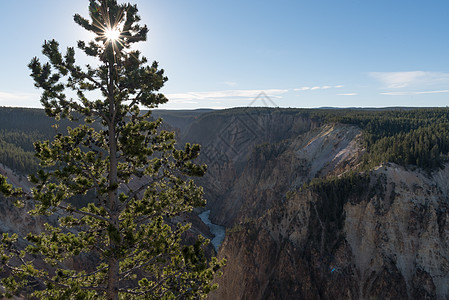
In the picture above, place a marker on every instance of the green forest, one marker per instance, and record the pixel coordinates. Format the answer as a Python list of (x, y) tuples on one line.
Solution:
[(19, 129), (404, 136)]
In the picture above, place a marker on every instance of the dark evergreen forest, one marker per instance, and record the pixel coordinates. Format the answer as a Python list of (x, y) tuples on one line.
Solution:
[(19, 129), (417, 137)]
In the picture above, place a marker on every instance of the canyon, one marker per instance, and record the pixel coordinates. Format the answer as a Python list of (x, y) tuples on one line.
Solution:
[(303, 218), (379, 234)]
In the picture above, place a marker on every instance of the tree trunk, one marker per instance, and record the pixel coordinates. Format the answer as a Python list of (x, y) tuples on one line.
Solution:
[(114, 234), (113, 273)]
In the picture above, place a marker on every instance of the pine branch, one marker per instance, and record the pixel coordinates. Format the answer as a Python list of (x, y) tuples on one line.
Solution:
[(135, 193), (71, 209)]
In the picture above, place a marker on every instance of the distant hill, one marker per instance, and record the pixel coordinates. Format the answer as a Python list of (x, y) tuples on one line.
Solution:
[(401, 135), (19, 128), (180, 119)]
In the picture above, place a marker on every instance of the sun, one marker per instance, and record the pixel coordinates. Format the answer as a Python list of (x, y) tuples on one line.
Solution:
[(112, 34)]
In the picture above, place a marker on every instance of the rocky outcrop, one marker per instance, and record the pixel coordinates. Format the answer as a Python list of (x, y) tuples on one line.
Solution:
[(383, 234), (406, 226)]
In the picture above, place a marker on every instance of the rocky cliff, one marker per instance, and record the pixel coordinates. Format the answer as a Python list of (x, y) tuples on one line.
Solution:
[(302, 225), (228, 140), (387, 239)]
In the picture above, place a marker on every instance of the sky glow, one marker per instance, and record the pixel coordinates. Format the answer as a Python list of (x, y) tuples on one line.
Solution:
[(221, 54)]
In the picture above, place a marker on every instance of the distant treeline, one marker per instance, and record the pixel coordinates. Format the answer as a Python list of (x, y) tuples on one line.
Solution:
[(19, 129), (16, 150), (404, 136)]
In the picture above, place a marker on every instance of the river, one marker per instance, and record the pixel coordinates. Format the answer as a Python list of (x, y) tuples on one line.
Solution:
[(217, 230)]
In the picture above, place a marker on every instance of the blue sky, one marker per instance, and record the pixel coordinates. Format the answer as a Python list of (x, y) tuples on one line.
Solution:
[(221, 54)]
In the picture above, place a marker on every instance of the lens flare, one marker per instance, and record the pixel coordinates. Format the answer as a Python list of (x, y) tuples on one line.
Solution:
[(112, 34)]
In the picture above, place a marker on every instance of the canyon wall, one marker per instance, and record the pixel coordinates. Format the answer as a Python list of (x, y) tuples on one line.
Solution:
[(379, 234)]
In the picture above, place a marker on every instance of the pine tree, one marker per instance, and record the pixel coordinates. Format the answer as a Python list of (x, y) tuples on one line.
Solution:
[(139, 178)]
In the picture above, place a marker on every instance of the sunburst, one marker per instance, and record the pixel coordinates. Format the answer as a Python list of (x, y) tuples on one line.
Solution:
[(112, 34), (111, 31)]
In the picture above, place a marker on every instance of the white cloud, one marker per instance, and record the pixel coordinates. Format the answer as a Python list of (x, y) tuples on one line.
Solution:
[(15, 96), (304, 88), (228, 94), (348, 94), (314, 88), (19, 99), (413, 79), (414, 93), (182, 101)]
